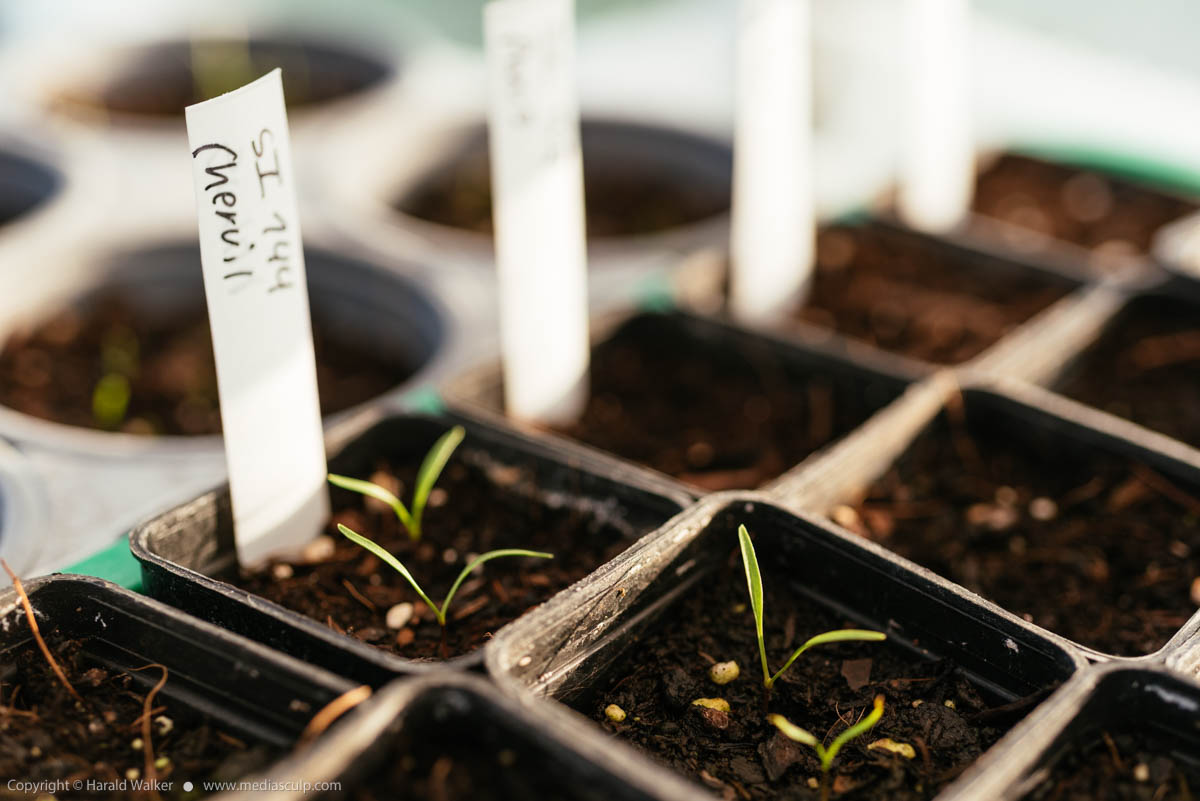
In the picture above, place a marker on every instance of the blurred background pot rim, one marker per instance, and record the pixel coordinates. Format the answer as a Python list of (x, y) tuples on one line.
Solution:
[(423, 316)]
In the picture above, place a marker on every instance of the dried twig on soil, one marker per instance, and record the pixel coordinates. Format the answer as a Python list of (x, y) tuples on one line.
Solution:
[(37, 634), (332, 711), (147, 712)]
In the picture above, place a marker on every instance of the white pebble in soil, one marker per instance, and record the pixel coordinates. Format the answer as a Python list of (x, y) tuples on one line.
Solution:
[(318, 550), (1043, 509), (399, 615)]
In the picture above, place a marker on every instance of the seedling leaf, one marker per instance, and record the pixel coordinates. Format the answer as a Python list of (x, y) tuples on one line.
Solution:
[(378, 493), (386, 556), (431, 469), (754, 584), (479, 560), (840, 635), (427, 475), (439, 611), (827, 755), (794, 732), (858, 729)]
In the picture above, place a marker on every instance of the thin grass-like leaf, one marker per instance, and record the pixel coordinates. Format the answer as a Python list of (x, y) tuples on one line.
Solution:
[(386, 556), (794, 732), (838, 635), (378, 493), (431, 468), (827, 755), (754, 585), (849, 734), (476, 562)]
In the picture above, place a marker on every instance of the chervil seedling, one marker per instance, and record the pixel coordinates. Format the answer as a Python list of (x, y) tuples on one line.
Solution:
[(754, 583), (827, 755), (439, 611), (427, 476)]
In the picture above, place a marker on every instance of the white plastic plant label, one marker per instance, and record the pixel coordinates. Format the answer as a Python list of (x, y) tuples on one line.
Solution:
[(774, 228), (537, 186), (254, 279), (937, 169)]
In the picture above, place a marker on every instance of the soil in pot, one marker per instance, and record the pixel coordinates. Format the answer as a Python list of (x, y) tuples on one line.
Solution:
[(911, 295), (46, 735), (627, 196), (161, 80), (716, 415), (1145, 367), (1119, 766), (1095, 210), (1098, 548), (929, 706), (476, 507), (112, 367)]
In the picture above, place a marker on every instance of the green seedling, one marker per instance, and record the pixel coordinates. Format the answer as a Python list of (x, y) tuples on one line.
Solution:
[(119, 359), (754, 583), (827, 755), (427, 476), (439, 611)]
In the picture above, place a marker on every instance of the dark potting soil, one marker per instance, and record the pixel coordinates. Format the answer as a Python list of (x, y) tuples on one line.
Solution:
[(1145, 367), (1091, 209), (474, 509), (908, 294), (56, 370), (163, 79), (716, 417), (46, 736), (1129, 766), (622, 198), (928, 705), (1095, 547)]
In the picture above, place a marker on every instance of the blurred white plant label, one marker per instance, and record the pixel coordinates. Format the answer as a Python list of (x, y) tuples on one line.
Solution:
[(773, 231), (254, 279), (537, 183)]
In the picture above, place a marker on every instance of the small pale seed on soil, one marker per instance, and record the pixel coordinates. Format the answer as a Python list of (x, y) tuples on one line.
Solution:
[(1043, 509), (399, 615), (723, 672), (892, 747), (614, 713), (319, 550), (719, 704)]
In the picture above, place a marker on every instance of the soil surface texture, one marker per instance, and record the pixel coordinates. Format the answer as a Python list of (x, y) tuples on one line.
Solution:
[(1093, 546), (1145, 367), (622, 198), (929, 707), (113, 368), (46, 735), (911, 295), (717, 415), (1096, 210), (472, 510), (1119, 767), (164, 79)]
